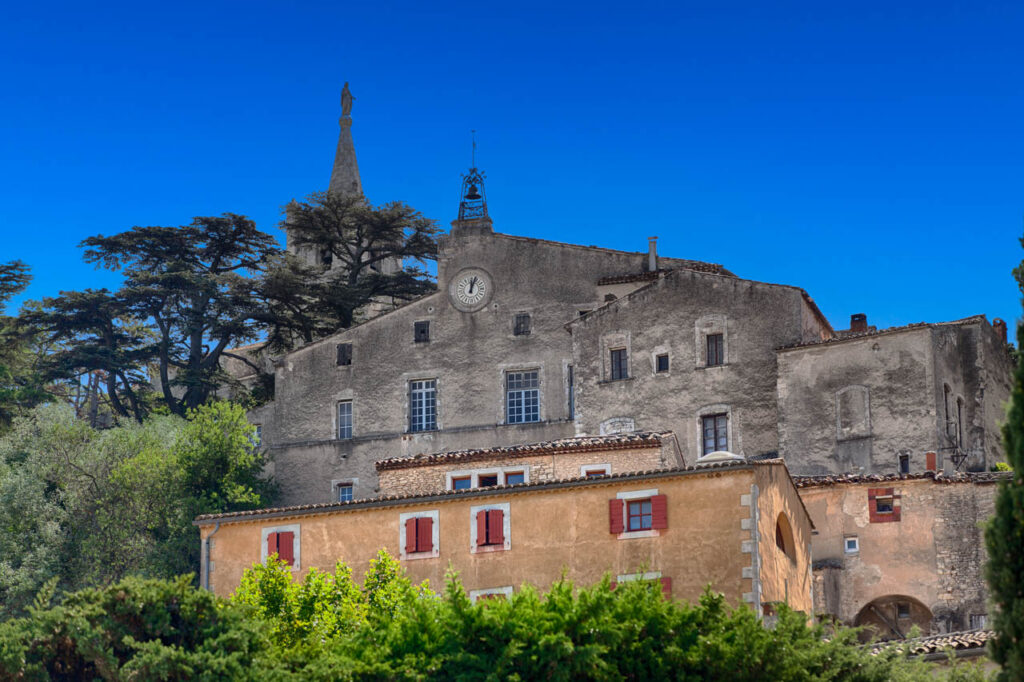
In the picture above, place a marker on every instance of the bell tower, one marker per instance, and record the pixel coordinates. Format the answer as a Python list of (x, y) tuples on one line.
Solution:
[(473, 200)]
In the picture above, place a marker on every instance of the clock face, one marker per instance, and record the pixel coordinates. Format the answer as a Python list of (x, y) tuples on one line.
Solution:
[(471, 290)]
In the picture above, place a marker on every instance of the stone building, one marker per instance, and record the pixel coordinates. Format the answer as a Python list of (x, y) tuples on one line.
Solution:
[(738, 526), (528, 340), (898, 550)]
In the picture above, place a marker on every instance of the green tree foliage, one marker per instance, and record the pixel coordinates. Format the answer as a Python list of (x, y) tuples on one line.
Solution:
[(21, 385), (327, 628), (87, 507), (353, 240), (1004, 538)]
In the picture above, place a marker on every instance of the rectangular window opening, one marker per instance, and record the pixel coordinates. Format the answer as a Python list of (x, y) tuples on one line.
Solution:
[(715, 350), (344, 420), (902, 610), (851, 545), (883, 505), (522, 397), (715, 428), (423, 405), (639, 515), (515, 477), (488, 480), (571, 379), (344, 354), (661, 363), (462, 483), (522, 324), (344, 492), (421, 332), (620, 364), (904, 464), (594, 473)]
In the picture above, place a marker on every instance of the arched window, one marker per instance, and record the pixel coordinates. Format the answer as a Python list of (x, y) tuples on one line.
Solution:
[(784, 537)]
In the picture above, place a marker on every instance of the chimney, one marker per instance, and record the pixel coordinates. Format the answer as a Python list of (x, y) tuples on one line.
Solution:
[(652, 254), (931, 461), (858, 322), (999, 326)]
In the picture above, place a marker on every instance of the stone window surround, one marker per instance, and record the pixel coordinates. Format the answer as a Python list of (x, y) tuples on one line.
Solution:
[(505, 591), (347, 395), (731, 435), (655, 352), (634, 577), (866, 393), (435, 535), (351, 419), (475, 474), (620, 424), (506, 528), (296, 547), (618, 339), (714, 323), (409, 377), (503, 370), (626, 498), (338, 482)]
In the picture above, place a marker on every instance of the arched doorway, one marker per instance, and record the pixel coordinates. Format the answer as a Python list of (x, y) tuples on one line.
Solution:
[(892, 617)]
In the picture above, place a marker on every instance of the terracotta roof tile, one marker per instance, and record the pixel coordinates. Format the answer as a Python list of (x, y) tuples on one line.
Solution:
[(637, 439), (940, 477), (849, 336), (958, 641)]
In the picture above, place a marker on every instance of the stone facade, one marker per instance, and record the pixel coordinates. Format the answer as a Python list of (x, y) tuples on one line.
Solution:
[(928, 556), (719, 528), (538, 463)]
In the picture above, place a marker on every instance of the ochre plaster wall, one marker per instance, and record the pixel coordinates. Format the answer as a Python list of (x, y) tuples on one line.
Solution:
[(550, 530), (784, 578), (549, 467)]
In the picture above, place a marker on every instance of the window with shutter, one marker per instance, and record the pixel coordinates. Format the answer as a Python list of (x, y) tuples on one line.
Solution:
[(344, 354), (417, 534), (282, 542), (421, 332), (638, 514), (522, 324), (490, 527)]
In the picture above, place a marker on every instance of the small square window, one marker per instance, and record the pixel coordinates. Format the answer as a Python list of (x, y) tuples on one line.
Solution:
[(851, 545), (421, 332), (488, 480), (883, 505), (904, 464), (462, 483), (620, 364), (661, 363), (515, 478), (639, 515), (716, 350), (522, 324), (344, 354), (902, 609), (344, 492)]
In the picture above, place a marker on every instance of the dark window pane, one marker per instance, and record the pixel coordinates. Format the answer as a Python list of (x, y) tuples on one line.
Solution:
[(522, 325), (715, 428), (620, 368), (344, 354), (662, 363), (513, 479), (522, 397), (462, 483), (345, 492), (421, 332), (639, 515), (716, 350), (488, 480)]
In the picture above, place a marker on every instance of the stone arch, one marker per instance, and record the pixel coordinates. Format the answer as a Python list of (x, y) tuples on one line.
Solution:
[(784, 536), (892, 617)]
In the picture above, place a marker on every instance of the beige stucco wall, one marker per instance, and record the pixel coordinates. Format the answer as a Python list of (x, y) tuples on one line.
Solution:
[(934, 554), (706, 542), (540, 468)]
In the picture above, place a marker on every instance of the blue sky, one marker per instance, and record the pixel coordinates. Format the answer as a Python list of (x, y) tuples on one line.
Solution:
[(871, 153)]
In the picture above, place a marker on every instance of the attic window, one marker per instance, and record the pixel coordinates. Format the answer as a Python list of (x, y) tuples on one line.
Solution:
[(421, 332), (344, 354)]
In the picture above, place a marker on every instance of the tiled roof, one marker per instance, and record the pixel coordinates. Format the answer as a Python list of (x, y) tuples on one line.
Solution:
[(940, 477), (389, 500), (849, 336), (619, 441), (957, 641)]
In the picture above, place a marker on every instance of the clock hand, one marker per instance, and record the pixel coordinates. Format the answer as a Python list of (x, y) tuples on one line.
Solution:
[(472, 285)]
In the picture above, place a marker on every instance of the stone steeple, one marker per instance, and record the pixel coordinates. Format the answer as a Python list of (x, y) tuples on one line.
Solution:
[(345, 174)]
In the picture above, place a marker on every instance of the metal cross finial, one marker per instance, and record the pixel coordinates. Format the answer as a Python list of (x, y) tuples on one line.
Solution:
[(473, 165)]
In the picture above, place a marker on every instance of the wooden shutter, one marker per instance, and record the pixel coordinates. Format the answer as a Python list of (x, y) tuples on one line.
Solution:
[(344, 354), (659, 511), (410, 536), (615, 525), (666, 588), (481, 528), (496, 527), (424, 534), (285, 547), (271, 544)]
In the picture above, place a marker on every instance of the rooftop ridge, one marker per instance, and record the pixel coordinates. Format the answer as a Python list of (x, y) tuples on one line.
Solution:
[(936, 477), (886, 330)]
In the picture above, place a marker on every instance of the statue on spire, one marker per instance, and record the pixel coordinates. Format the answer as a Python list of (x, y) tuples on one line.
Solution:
[(346, 101)]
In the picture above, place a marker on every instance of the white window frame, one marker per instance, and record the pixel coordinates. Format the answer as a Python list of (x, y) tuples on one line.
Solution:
[(435, 532), (475, 474), (351, 419), (584, 468), (628, 497), (523, 392), (731, 434), (296, 547), (846, 544), (474, 595), (506, 528), (410, 390), (336, 488)]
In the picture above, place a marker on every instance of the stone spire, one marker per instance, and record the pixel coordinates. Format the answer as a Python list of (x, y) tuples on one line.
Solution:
[(345, 174)]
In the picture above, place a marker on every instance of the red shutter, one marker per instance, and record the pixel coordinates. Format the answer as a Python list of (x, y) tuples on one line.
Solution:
[(659, 512), (481, 528), (666, 588), (496, 527), (271, 544), (285, 547), (424, 534), (612, 585), (410, 536), (615, 516)]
